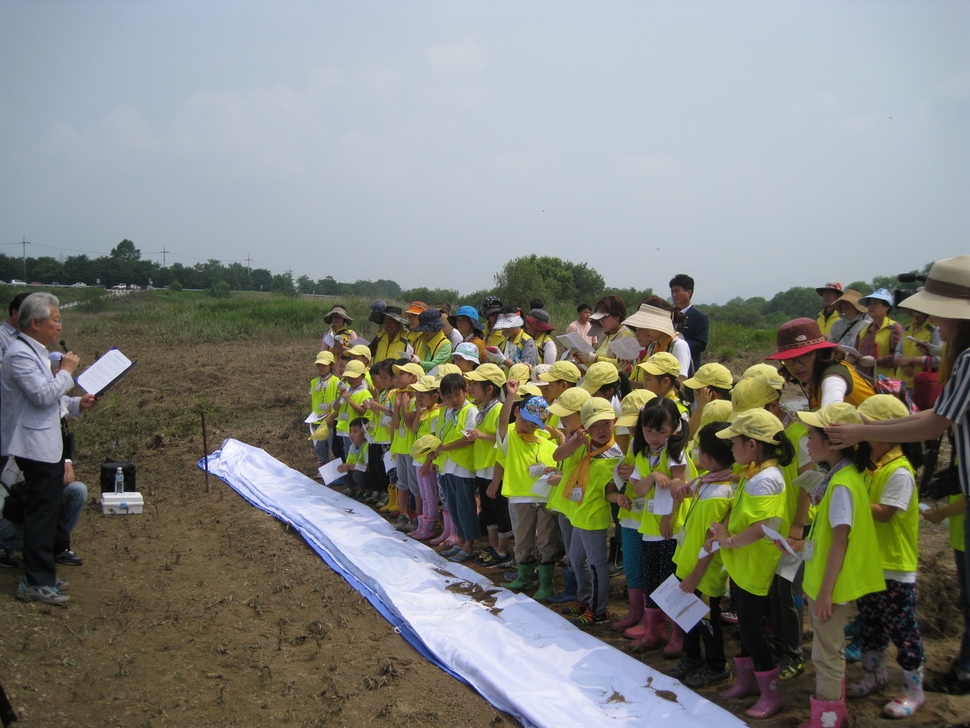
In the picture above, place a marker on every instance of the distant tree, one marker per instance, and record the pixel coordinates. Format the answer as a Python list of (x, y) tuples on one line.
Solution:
[(126, 251), (305, 284), (548, 278), (219, 289), (431, 296)]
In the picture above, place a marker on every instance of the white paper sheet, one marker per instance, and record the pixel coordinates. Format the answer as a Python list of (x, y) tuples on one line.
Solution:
[(389, 461), (314, 417), (715, 546), (625, 347), (685, 609), (773, 535), (575, 342), (808, 480), (788, 566), (329, 471), (663, 501), (100, 375)]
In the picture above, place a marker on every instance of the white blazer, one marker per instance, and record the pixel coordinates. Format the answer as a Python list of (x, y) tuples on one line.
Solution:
[(30, 403)]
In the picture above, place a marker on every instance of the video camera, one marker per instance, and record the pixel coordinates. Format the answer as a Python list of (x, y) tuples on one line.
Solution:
[(901, 294)]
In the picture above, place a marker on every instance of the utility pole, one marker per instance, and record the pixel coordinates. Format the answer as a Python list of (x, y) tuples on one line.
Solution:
[(24, 243), (163, 251), (249, 265)]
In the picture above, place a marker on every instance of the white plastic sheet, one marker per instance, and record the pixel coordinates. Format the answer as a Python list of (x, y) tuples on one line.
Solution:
[(523, 658)]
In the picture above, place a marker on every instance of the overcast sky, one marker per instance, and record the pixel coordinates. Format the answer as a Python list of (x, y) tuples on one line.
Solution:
[(755, 145)]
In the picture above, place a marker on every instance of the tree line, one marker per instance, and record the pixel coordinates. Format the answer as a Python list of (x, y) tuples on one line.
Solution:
[(520, 280)]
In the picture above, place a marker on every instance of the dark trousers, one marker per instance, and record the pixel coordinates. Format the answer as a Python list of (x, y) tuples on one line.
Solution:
[(752, 610), (709, 631), (44, 489)]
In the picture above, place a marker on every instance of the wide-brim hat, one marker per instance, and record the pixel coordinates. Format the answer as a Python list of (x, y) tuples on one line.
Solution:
[(833, 286), (429, 320), (468, 351), (396, 313), (468, 312), (416, 307), (508, 321), (653, 318), (946, 292), (539, 319), (797, 337), (852, 297), (339, 311), (880, 294)]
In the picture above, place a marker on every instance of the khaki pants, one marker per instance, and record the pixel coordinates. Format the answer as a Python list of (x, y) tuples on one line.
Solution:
[(827, 651), (535, 528)]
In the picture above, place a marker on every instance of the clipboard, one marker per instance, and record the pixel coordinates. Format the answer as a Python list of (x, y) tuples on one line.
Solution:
[(105, 372)]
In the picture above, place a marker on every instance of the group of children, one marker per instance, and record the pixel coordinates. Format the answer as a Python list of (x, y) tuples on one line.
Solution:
[(552, 457)]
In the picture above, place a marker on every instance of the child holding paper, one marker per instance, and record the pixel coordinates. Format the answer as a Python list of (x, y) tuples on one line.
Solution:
[(700, 571), (323, 393)]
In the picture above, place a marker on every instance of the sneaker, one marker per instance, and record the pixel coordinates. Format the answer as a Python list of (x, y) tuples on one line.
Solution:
[(729, 617), (853, 651), (790, 669), (685, 667), (706, 676), (46, 594), (487, 557), (573, 608), (372, 498), (70, 558), (505, 561), (947, 683), (61, 584), (588, 619), (8, 560), (410, 526), (402, 521)]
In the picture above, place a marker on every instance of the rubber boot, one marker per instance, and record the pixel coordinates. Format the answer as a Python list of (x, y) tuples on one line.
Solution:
[(425, 529), (911, 699), (675, 646), (874, 675), (655, 636), (635, 615), (568, 593), (391, 506), (446, 529), (771, 700), (526, 578), (641, 628), (745, 683), (545, 582), (826, 714)]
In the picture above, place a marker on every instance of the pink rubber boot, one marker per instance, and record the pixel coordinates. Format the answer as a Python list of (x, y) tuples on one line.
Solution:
[(447, 529), (771, 700), (745, 683), (635, 615)]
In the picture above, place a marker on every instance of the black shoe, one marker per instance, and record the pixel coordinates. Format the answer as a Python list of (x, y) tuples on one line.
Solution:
[(706, 676), (70, 558), (947, 683), (685, 667), (8, 560)]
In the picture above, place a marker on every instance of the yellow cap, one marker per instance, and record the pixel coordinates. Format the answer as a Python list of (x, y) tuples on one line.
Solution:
[(520, 371), (711, 375), (527, 390), (322, 432), (883, 407), (661, 363), (631, 405), (595, 410), (717, 410), (354, 369), (444, 370), (325, 357), (424, 446), (836, 413), (598, 374), (425, 383), (411, 368), (752, 393), (358, 350), (767, 372), (758, 424), (487, 373), (570, 402), (561, 371)]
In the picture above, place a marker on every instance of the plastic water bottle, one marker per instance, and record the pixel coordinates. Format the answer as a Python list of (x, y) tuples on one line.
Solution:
[(119, 481)]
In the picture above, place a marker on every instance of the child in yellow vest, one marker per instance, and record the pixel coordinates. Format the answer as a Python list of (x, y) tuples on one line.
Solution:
[(660, 458), (891, 614), (402, 417), (352, 394), (760, 447), (427, 408), (525, 458), (589, 456), (456, 463), (323, 394), (356, 479), (379, 425), (838, 554), (710, 500)]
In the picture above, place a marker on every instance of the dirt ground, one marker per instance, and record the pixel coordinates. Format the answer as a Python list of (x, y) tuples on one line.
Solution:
[(205, 611)]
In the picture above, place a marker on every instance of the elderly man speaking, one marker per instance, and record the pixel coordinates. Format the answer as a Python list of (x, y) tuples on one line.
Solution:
[(30, 430)]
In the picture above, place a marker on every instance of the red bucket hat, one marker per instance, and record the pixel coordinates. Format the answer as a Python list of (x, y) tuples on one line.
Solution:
[(798, 337)]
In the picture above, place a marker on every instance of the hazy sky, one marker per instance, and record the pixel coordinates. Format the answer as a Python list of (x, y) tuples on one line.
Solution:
[(754, 145)]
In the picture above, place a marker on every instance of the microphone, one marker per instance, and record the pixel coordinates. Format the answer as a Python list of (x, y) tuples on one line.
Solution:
[(64, 346), (910, 278)]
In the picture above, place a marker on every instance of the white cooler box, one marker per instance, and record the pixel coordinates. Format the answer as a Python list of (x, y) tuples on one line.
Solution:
[(128, 502)]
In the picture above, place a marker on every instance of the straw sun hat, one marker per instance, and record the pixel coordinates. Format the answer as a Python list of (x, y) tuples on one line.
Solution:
[(947, 290)]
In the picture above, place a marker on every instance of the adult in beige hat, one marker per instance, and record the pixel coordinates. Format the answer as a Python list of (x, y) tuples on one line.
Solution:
[(339, 330), (829, 315), (946, 298), (854, 316), (655, 332)]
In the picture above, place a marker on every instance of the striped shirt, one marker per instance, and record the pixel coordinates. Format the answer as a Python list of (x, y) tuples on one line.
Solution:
[(954, 404)]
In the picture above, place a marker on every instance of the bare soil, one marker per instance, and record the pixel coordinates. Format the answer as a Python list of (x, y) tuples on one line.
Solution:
[(205, 611)]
